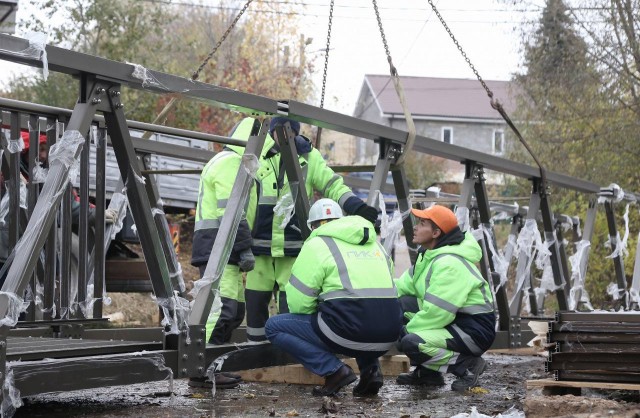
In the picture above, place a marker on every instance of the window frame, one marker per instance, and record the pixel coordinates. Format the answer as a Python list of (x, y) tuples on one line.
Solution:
[(493, 142), (442, 130)]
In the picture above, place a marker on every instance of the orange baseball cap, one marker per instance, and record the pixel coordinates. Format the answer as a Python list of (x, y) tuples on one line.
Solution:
[(443, 217)]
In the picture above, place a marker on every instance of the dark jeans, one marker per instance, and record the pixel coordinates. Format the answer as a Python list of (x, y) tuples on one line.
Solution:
[(294, 334)]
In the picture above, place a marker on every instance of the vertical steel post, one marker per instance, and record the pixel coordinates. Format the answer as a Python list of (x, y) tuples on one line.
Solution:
[(51, 259), (634, 290), (14, 181), (515, 305), (587, 235), (286, 139), (66, 299), (83, 226), (548, 221), (500, 292), (139, 203), (162, 226), (32, 196), (516, 225), (618, 262), (387, 155), (402, 194), (228, 227), (99, 249), (562, 250)]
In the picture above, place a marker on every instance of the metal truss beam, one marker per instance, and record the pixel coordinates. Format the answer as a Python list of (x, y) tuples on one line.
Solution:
[(136, 193), (62, 375), (285, 137), (228, 227), (75, 64), (353, 126)]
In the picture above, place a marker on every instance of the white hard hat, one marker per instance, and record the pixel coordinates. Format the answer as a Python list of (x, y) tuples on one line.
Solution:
[(324, 209)]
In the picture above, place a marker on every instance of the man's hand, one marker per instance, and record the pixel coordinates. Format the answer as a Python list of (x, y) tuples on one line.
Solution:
[(110, 216), (247, 260), (367, 212)]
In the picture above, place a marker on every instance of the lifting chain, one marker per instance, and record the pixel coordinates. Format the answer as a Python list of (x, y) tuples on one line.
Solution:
[(196, 73), (411, 128), (494, 102), (384, 39), (326, 56), (324, 74), (162, 116)]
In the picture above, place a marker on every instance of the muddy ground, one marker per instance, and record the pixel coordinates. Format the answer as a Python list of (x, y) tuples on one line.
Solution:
[(502, 388)]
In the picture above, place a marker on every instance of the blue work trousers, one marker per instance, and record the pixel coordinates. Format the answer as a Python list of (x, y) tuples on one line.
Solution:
[(294, 334)]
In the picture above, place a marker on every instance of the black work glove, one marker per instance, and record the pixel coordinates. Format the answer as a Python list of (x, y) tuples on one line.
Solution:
[(247, 260), (367, 212)]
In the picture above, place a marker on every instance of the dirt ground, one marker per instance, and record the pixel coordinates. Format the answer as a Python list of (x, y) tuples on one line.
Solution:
[(502, 387)]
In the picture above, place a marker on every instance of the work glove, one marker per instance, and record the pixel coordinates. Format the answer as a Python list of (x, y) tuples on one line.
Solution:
[(110, 216), (247, 260), (367, 212)]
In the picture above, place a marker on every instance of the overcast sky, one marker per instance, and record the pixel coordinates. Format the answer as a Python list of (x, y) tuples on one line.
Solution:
[(488, 30)]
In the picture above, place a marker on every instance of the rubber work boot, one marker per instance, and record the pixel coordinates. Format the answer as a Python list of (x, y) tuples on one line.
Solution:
[(370, 382), (222, 381), (470, 377), (421, 376), (335, 381)]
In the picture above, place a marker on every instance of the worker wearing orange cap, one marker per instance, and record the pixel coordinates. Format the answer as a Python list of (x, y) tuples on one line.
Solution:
[(453, 323)]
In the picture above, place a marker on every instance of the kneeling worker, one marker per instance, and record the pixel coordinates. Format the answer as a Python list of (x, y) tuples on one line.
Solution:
[(341, 301), (453, 322)]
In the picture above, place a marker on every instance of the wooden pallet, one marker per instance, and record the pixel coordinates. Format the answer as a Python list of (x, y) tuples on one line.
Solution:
[(566, 387), (297, 374)]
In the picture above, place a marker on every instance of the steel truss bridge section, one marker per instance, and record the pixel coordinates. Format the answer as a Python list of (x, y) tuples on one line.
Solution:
[(184, 351)]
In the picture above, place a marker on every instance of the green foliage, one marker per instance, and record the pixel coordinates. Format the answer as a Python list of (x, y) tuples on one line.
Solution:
[(579, 112), (174, 39), (578, 105), (264, 56), (424, 170)]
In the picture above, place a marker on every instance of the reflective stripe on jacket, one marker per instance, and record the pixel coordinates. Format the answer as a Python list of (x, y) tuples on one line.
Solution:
[(450, 290), (344, 275), (269, 238), (216, 184)]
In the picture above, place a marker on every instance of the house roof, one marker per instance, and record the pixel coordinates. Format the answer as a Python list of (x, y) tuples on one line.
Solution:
[(441, 97)]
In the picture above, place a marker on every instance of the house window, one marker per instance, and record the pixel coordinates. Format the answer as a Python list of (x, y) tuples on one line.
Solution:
[(498, 142), (447, 135)]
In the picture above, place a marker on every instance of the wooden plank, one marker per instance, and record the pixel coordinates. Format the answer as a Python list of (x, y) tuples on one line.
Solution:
[(294, 373), (542, 383), (297, 374)]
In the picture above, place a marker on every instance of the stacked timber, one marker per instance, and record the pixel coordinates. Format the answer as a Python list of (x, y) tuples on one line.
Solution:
[(595, 347)]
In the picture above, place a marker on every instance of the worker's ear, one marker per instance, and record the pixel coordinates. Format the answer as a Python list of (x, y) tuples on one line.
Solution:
[(437, 233)]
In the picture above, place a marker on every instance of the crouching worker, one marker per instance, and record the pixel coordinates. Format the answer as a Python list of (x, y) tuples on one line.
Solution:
[(452, 322), (341, 301)]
